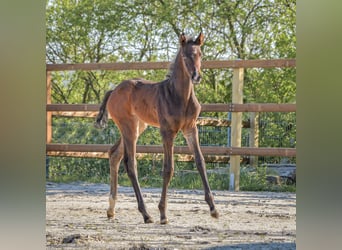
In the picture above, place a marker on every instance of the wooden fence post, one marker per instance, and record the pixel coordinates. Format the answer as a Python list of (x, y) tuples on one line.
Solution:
[(48, 114), (48, 121), (237, 98), (254, 136)]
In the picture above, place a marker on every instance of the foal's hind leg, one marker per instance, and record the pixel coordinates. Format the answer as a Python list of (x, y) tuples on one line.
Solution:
[(191, 136), (115, 157), (130, 135)]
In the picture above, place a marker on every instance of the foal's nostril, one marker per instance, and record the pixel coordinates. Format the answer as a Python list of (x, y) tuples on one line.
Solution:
[(196, 77)]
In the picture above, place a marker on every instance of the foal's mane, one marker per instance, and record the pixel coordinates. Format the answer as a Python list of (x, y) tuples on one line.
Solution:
[(171, 67)]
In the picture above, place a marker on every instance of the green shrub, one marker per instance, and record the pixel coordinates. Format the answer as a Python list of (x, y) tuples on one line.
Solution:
[(186, 176)]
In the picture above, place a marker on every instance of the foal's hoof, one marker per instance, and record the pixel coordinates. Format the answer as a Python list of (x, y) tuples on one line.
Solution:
[(214, 213), (164, 221), (110, 214), (148, 220)]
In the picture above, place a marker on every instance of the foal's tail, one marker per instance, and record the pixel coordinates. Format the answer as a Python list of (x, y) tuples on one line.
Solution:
[(102, 116)]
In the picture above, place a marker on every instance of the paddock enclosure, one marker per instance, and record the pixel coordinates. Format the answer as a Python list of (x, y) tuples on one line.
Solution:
[(238, 146), (76, 219), (76, 212)]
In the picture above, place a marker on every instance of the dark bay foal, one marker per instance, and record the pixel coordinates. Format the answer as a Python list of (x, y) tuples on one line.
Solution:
[(170, 105)]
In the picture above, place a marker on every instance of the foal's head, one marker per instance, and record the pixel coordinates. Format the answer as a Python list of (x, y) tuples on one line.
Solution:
[(191, 52)]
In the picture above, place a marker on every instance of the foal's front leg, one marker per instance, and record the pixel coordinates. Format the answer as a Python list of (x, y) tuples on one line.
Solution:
[(191, 136), (168, 169)]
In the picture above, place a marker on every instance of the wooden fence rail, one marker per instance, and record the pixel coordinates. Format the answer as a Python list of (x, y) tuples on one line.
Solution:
[(218, 107), (215, 64), (158, 149)]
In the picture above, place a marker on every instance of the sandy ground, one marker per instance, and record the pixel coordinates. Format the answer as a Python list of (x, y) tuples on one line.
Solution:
[(76, 219)]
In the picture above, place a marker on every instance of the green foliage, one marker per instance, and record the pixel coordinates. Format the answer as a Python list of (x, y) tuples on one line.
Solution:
[(111, 31), (253, 181), (256, 181), (277, 130), (270, 85), (66, 169)]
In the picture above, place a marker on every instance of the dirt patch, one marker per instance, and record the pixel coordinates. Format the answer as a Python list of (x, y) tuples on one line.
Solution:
[(76, 219)]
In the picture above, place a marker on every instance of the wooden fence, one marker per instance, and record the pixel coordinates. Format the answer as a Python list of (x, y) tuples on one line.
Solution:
[(236, 107)]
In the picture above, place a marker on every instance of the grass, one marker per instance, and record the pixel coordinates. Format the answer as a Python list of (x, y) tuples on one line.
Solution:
[(249, 180)]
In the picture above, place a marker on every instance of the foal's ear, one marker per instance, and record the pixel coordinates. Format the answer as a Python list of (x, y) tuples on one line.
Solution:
[(199, 40), (182, 39)]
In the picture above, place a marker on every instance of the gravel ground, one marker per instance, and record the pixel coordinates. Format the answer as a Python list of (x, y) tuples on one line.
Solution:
[(76, 219)]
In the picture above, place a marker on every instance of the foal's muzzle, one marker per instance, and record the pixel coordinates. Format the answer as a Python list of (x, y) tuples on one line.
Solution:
[(196, 77)]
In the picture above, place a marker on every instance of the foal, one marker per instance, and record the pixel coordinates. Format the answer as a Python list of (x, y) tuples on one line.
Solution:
[(170, 105)]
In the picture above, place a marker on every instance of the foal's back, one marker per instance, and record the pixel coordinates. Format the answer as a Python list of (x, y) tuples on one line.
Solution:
[(134, 99)]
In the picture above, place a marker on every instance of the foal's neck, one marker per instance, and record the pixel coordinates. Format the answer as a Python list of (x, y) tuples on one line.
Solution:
[(181, 79)]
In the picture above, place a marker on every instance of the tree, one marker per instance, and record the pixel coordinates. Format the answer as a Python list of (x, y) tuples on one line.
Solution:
[(109, 31)]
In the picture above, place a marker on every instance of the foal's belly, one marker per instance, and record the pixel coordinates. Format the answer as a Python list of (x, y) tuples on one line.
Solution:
[(147, 114)]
